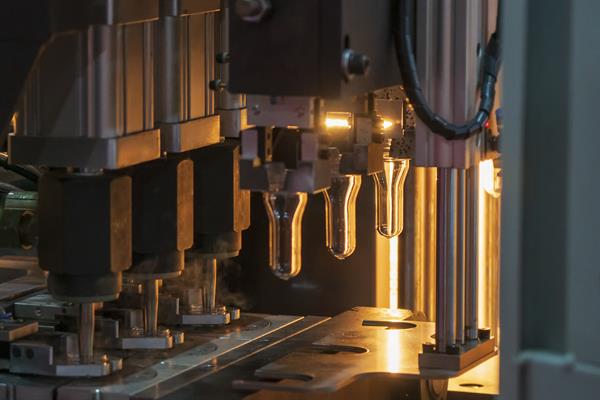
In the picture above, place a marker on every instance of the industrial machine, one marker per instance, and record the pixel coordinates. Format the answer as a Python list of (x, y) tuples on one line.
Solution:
[(258, 199)]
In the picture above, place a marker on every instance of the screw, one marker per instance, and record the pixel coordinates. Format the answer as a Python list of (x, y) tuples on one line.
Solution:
[(354, 63), (217, 85)]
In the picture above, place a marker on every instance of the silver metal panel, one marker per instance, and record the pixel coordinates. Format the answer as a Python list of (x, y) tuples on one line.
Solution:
[(92, 84), (208, 346)]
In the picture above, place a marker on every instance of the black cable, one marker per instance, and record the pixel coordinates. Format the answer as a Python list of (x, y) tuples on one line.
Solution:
[(17, 169), (412, 85)]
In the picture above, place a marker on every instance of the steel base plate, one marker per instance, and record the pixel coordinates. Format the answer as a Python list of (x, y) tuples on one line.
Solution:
[(361, 342)]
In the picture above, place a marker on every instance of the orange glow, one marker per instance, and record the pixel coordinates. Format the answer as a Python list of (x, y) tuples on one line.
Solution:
[(488, 178), (486, 181), (387, 124), (338, 121)]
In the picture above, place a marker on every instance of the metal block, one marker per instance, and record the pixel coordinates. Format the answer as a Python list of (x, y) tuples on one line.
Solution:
[(468, 355), (44, 307), (309, 177), (34, 358), (185, 64), (281, 112), (300, 48), (95, 153), (223, 318), (189, 135), (110, 69), (164, 341), (220, 205), (233, 122), (72, 210), (162, 206), (14, 330)]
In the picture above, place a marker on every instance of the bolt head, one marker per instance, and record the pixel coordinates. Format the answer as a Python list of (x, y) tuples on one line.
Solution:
[(354, 64)]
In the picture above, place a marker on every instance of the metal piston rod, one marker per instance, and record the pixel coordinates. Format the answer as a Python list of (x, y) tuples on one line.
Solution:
[(446, 259), (472, 255), (86, 332)]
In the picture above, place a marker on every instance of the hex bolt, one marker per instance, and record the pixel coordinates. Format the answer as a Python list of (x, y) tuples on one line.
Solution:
[(354, 64), (252, 10)]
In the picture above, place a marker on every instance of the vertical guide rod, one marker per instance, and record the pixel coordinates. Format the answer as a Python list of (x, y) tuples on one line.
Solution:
[(472, 253), (151, 287), (86, 333), (445, 325), (209, 284), (460, 256)]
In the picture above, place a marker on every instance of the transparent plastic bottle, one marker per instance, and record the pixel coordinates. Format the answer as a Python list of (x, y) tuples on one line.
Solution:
[(285, 212), (389, 196), (340, 215)]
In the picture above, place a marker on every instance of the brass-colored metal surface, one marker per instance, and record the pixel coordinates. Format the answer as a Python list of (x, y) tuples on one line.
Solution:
[(482, 380), (107, 153), (489, 268), (417, 244), (190, 135), (366, 342)]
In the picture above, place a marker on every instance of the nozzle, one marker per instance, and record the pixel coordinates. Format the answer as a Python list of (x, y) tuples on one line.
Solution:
[(389, 196), (285, 211), (340, 214)]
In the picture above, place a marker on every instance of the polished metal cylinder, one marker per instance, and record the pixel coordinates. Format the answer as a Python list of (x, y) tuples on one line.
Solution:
[(472, 255), (209, 284), (151, 287), (446, 258), (86, 332), (460, 256)]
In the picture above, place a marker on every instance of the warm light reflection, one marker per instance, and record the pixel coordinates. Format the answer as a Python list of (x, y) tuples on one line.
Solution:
[(488, 247), (394, 273), (488, 177), (338, 121), (485, 177), (387, 124), (394, 350)]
